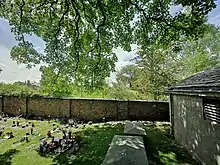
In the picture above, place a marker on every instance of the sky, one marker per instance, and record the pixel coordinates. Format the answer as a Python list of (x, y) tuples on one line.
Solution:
[(13, 72)]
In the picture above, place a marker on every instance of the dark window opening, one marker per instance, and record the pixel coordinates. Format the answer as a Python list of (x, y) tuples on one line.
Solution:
[(211, 109)]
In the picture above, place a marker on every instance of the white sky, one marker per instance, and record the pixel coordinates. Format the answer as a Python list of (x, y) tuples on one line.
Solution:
[(13, 72)]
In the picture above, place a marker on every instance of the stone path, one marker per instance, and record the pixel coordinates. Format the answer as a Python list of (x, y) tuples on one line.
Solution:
[(128, 149)]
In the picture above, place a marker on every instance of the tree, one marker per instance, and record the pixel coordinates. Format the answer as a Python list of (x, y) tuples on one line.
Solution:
[(87, 30), (126, 76), (158, 69), (203, 53), (52, 83)]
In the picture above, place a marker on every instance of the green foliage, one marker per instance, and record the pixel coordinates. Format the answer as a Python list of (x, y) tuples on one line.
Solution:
[(54, 84), (126, 76), (19, 89), (118, 92), (203, 53), (80, 35), (161, 67)]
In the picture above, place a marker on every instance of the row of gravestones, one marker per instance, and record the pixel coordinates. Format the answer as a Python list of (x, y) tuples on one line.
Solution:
[(67, 142), (15, 124)]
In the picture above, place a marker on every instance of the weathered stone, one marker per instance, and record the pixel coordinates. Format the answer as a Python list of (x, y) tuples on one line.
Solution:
[(149, 110), (45, 107), (96, 110), (197, 134), (134, 128), (126, 150), (14, 105)]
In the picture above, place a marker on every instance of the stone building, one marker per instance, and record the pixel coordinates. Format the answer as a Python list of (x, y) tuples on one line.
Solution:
[(195, 115)]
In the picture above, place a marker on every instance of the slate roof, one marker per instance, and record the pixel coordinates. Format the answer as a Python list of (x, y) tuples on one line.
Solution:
[(206, 81)]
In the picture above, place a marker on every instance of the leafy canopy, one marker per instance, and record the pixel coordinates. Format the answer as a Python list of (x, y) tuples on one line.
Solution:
[(80, 34)]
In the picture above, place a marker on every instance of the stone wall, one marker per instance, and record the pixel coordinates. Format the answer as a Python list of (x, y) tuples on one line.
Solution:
[(87, 109), (200, 136), (1, 104), (53, 107), (148, 110), (14, 105)]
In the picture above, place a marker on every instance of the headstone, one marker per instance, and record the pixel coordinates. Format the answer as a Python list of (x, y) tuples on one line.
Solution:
[(60, 141), (126, 150), (22, 139), (134, 128), (49, 134), (17, 123), (64, 132), (9, 135), (70, 121), (26, 138), (52, 140), (69, 134)]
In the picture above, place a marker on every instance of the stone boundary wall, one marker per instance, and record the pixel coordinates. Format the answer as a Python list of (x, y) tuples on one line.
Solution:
[(85, 109)]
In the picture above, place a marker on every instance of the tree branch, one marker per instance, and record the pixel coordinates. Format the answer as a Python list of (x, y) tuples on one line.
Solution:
[(20, 23), (77, 33)]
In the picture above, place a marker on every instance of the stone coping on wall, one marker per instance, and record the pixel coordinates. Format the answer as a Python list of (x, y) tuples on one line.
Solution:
[(79, 98)]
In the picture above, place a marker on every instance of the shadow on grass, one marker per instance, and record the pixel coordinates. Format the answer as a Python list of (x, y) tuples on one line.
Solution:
[(5, 159), (162, 149), (93, 147)]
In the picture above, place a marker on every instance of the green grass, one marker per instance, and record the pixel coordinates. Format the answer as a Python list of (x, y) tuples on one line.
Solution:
[(95, 142), (162, 149)]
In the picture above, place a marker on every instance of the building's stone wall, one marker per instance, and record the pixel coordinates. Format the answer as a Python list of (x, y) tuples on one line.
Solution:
[(199, 136), (14, 105), (87, 109)]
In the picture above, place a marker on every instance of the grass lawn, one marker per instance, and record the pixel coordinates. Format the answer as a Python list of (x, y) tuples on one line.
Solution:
[(95, 142), (161, 148)]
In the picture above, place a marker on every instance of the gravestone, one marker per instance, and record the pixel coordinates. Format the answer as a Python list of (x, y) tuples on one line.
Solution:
[(49, 134), (134, 128), (17, 123), (126, 150)]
